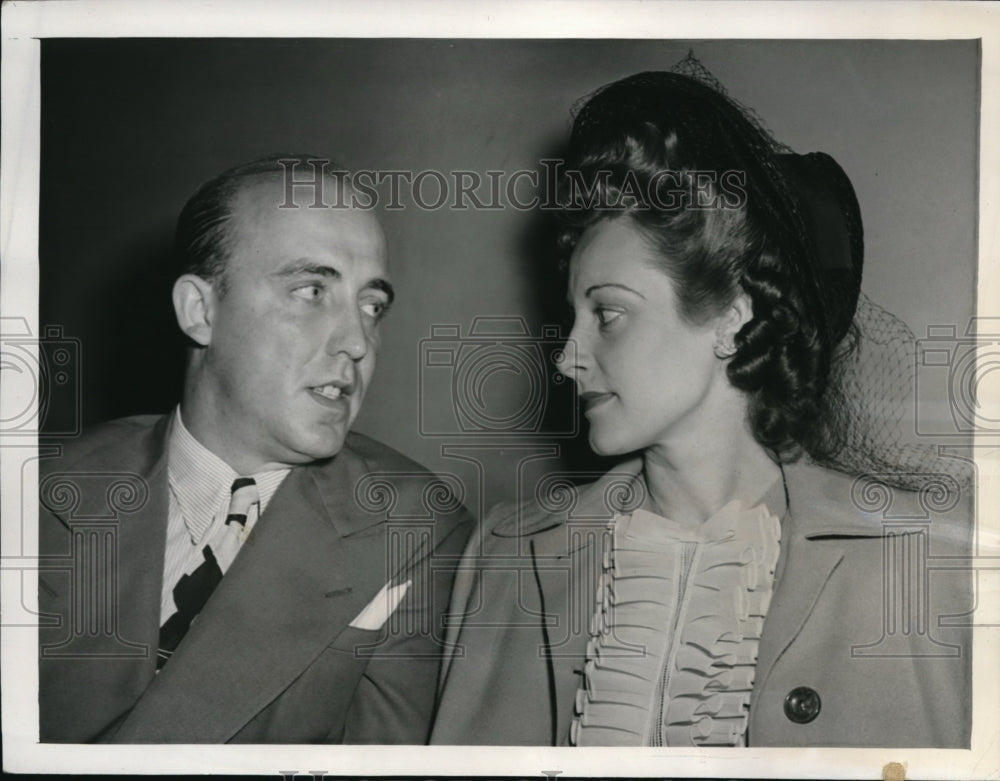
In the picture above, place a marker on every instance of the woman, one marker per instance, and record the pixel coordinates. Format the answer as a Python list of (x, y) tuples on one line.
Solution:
[(718, 588)]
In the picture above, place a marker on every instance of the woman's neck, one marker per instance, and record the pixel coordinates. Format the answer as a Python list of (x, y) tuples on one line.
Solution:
[(692, 478)]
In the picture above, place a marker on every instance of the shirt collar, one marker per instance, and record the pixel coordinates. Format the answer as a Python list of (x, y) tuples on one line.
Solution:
[(201, 481), (717, 526), (774, 500)]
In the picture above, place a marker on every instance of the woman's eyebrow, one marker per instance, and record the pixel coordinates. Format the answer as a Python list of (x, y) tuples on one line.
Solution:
[(618, 285)]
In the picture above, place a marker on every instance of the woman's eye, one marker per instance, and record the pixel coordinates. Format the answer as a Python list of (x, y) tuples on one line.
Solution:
[(309, 292), (607, 317)]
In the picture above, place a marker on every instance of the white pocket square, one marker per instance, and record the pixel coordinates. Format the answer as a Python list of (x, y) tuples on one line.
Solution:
[(377, 612)]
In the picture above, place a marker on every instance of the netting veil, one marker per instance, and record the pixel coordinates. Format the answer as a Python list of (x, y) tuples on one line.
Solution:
[(869, 404), (870, 401)]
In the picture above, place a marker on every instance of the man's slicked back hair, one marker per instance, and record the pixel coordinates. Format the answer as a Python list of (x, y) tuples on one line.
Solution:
[(202, 243)]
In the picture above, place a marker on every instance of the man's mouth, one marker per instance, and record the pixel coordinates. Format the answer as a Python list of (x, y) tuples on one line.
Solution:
[(328, 391), (331, 391)]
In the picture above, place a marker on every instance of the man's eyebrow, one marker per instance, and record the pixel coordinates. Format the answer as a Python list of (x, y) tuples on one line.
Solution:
[(385, 286), (297, 267), (592, 288)]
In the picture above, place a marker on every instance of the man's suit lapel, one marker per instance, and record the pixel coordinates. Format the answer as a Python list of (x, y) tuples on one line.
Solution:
[(97, 676), (140, 564), (314, 560)]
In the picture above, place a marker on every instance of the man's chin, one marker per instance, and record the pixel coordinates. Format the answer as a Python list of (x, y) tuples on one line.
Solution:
[(318, 445), (326, 450)]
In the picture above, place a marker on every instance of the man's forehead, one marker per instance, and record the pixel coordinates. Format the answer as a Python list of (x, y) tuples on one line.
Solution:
[(264, 200), (273, 190)]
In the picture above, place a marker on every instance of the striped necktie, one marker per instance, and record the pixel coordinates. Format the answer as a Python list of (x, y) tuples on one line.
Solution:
[(192, 591)]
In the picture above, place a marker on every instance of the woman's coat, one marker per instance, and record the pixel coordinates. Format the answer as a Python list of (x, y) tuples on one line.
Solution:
[(867, 641)]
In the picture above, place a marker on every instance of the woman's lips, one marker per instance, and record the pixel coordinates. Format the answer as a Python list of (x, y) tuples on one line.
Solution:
[(593, 399)]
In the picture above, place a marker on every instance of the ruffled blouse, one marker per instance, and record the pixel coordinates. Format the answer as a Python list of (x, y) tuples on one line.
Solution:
[(675, 633)]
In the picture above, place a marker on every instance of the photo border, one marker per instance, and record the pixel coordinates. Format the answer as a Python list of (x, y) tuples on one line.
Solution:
[(25, 24)]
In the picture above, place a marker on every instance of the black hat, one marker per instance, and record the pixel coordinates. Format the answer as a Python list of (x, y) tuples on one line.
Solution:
[(831, 215)]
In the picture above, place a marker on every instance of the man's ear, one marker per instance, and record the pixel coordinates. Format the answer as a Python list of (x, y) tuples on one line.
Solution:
[(737, 314), (194, 306)]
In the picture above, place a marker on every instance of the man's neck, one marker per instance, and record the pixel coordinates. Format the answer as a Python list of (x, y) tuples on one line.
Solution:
[(197, 425)]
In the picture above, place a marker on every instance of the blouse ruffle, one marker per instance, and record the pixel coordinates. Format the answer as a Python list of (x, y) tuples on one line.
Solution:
[(674, 637)]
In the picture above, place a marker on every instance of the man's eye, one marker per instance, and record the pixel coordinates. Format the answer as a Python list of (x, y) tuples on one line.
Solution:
[(309, 292), (373, 309)]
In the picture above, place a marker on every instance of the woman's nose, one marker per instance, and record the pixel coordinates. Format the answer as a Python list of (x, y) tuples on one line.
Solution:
[(567, 359)]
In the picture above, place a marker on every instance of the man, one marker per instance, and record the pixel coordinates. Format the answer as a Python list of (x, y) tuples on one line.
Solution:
[(254, 586)]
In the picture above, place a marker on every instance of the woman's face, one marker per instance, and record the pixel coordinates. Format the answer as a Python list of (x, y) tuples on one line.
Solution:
[(645, 376)]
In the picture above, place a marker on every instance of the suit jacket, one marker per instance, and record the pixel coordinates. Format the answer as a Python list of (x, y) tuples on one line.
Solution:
[(271, 657), (867, 623)]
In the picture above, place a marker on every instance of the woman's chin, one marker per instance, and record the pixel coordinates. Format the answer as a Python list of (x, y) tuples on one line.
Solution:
[(606, 446)]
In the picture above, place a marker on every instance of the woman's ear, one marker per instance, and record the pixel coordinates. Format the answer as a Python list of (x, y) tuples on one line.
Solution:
[(194, 305), (734, 317)]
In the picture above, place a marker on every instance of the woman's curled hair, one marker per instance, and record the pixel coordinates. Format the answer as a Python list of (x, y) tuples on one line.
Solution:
[(713, 194)]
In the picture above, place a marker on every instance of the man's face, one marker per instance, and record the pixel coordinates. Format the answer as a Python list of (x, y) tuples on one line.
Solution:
[(294, 335)]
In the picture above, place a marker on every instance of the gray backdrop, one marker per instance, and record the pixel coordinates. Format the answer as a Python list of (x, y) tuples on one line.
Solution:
[(131, 127)]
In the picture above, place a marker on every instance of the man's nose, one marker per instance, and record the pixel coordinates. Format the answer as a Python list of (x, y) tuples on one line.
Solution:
[(349, 335)]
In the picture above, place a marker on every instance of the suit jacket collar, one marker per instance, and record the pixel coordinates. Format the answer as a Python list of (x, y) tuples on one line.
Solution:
[(342, 485), (826, 503), (816, 501), (591, 505)]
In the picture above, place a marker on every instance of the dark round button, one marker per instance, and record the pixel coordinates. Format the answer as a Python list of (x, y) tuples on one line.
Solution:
[(802, 704)]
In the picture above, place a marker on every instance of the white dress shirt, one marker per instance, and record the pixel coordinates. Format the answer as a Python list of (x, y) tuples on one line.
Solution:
[(200, 485)]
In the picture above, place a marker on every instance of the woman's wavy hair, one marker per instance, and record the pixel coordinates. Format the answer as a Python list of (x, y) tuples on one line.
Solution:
[(728, 209)]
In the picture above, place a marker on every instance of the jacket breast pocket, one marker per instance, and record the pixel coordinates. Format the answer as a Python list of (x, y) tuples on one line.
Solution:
[(358, 643)]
